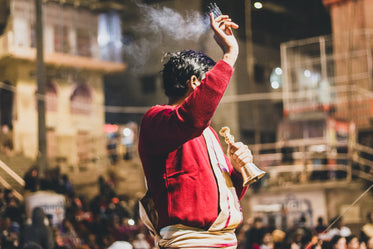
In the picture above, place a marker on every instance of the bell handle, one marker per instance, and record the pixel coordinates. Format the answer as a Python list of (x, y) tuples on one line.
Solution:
[(250, 172)]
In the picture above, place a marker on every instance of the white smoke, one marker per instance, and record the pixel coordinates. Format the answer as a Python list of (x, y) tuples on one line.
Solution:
[(160, 25), (174, 25)]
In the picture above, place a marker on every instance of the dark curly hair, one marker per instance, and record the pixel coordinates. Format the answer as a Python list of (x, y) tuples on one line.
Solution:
[(180, 67)]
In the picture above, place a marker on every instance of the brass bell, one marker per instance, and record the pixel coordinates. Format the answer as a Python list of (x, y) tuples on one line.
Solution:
[(250, 172)]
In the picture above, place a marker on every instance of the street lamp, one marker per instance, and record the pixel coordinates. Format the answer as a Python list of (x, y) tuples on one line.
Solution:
[(258, 5)]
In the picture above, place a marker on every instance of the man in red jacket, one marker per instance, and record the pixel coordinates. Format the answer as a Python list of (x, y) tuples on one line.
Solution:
[(193, 187)]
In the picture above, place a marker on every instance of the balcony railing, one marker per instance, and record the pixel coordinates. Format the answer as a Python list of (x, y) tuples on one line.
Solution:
[(329, 72), (8, 49), (70, 36), (312, 160)]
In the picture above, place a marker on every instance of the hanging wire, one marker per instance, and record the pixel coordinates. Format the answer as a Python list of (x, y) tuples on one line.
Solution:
[(349, 207)]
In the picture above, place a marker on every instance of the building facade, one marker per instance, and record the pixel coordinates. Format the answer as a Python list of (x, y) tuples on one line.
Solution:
[(321, 161), (75, 67)]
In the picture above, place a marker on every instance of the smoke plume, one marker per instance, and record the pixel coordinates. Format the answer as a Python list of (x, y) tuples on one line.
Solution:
[(159, 26)]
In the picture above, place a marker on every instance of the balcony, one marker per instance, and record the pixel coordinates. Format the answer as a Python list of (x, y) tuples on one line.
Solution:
[(313, 161), (71, 37), (9, 50), (329, 74)]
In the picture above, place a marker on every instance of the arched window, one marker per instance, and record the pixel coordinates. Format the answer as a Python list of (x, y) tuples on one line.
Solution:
[(81, 100)]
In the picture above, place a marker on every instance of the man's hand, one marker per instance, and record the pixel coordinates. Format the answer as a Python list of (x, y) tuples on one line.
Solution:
[(239, 155), (223, 35)]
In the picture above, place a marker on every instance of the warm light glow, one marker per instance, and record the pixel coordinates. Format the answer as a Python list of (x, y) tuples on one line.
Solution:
[(258, 5), (278, 71), (127, 132), (276, 78), (307, 73), (275, 84), (110, 128), (131, 222)]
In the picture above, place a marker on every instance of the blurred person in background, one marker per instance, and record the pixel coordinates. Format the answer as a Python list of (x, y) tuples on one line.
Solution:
[(10, 234), (299, 235), (2, 202), (369, 244), (31, 178), (352, 242), (92, 241), (32, 245), (68, 235), (338, 242), (366, 231), (140, 242), (58, 240), (267, 241), (38, 232), (279, 239), (14, 210), (255, 234), (320, 227)]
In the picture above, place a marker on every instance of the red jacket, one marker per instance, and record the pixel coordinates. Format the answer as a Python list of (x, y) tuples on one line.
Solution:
[(175, 158)]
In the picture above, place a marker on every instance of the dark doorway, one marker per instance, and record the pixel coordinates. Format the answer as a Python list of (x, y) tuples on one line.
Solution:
[(6, 105)]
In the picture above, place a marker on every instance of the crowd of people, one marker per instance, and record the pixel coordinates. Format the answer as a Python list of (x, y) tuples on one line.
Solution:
[(106, 221), (254, 234), (112, 221)]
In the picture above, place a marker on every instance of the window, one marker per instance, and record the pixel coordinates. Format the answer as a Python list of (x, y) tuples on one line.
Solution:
[(61, 39), (110, 36), (83, 42), (80, 100)]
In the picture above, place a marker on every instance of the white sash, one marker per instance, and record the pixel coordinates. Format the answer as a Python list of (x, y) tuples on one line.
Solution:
[(230, 215)]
